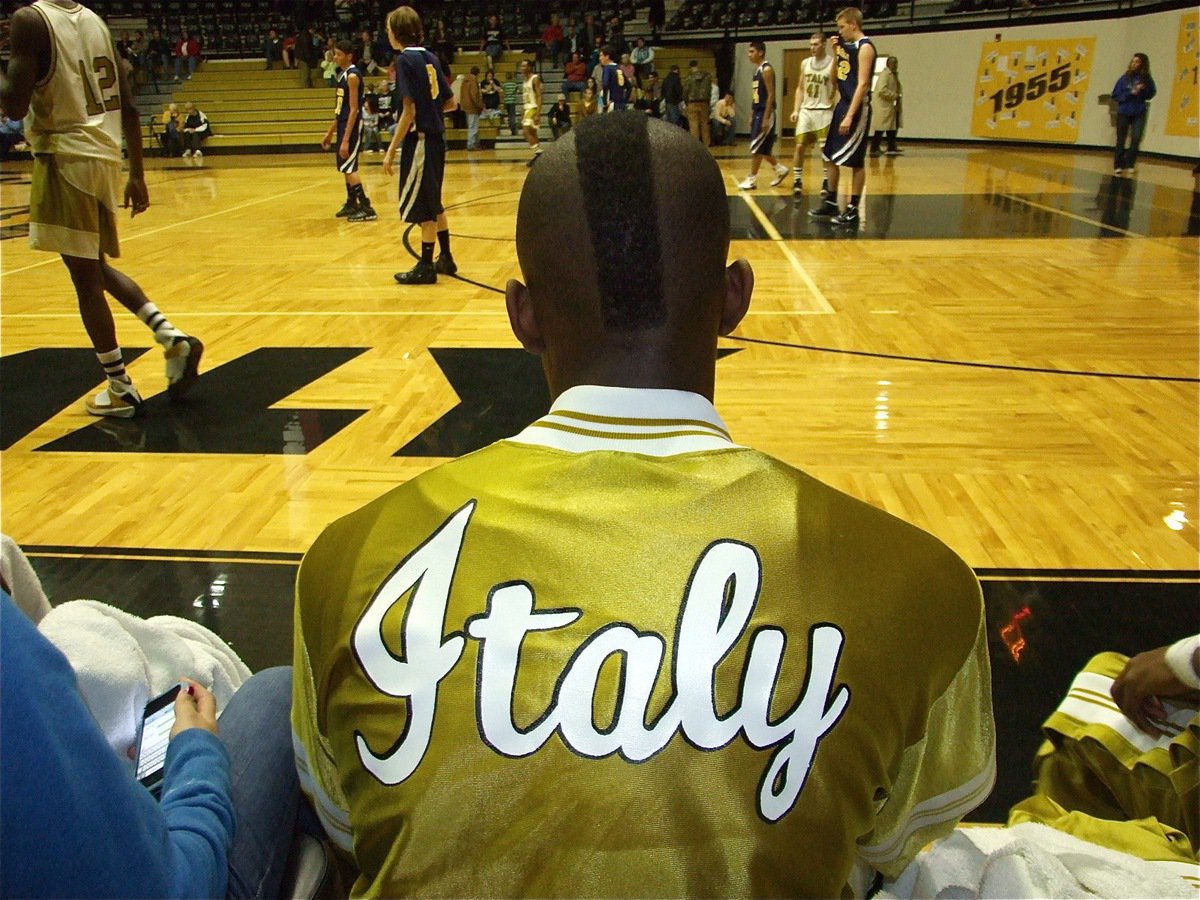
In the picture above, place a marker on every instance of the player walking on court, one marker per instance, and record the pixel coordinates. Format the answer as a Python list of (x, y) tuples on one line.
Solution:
[(762, 121), (348, 125), (65, 75), (531, 96), (846, 144), (813, 107), (425, 95), (612, 82)]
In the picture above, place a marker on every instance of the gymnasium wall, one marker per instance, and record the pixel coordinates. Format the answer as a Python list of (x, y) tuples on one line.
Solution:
[(938, 73)]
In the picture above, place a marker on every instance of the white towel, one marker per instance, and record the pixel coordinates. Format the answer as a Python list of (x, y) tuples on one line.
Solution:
[(121, 661), (23, 584), (1033, 860)]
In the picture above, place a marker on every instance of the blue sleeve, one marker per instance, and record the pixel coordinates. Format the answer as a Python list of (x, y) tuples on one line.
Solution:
[(404, 86), (73, 821), (1151, 89), (1120, 90)]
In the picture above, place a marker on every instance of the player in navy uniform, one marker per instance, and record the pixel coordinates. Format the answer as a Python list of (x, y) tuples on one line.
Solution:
[(348, 123), (425, 94), (846, 145), (762, 118), (612, 81)]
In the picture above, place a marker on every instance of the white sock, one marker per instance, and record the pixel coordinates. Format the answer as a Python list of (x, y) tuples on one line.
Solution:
[(164, 332)]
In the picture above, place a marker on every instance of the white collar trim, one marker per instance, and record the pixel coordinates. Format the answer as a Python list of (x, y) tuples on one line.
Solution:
[(651, 422)]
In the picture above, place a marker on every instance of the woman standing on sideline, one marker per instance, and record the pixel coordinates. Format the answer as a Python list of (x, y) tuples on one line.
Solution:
[(1132, 92), (885, 108)]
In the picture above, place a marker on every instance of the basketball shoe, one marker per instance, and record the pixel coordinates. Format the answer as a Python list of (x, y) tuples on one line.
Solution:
[(183, 365), (116, 399)]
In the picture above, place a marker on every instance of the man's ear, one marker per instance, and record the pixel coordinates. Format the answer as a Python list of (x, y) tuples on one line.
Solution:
[(739, 285), (521, 319)]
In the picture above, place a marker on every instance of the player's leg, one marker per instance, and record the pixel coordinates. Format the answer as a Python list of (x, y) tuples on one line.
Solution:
[(750, 182), (119, 398), (804, 140), (829, 204), (766, 151), (182, 351), (422, 165), (363, 211)]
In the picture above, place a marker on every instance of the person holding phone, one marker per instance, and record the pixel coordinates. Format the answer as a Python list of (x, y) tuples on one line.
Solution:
[(74, 822)]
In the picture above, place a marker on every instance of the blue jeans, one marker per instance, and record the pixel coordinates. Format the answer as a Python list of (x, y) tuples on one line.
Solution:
[(512, 117), (674, 112), (472, 130), (256, 728), (191, 66), (1128, 128)]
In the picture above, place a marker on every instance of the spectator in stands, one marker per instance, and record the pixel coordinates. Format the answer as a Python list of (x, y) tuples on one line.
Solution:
[(574, 74), (289, 51), (366, 59), (560, 117), (630, 73), (195, 130), (649, 99), (591, 34), (697, 91), (616, 37), (885, 108), (470, 100), (571, 38), (370, 119), (187, 53), (308, 56), (593, 65), (493, 96), (672, 95), (272, 47), (494, 41), (552, 40), (441, 42), (724, 119), (457, 117), (328, 64), (137, 55), (642, 57), (158, 48), (512, 99), (590, 99), (657, 17), (172, 141), (1133, 92)]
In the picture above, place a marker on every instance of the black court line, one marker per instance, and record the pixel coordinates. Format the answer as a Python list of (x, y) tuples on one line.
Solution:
[(1003, 367), (257, 556)]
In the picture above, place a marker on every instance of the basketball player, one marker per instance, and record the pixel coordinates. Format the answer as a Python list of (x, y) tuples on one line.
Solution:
[(619, 654), (762, 123), (425, 94), (531, 95), (846, 144), (65, 75), (348, 124), (813, 107), (612, 81)]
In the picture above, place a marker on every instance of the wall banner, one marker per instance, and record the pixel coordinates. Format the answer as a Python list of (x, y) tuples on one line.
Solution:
[(1183, 115), (1032, 90)]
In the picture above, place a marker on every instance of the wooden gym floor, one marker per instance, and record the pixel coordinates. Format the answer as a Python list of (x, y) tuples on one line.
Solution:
[(1005, 354)]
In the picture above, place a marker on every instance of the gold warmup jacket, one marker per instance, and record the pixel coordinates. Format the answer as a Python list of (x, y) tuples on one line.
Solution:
[(620, 655)]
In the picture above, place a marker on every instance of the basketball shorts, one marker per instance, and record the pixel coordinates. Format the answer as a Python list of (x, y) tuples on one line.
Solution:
[(72, 206), (761, 143), (348, 164), (422, 166), (814, 121), (848, 149), (529, 118)]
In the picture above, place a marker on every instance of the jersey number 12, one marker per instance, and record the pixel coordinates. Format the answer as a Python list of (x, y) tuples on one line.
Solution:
[(101, 96)]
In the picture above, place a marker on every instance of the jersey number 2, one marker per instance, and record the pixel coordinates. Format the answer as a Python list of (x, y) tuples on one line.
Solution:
[(101, 97)]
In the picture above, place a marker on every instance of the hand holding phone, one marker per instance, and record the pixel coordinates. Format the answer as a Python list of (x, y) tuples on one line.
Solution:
[(195, 707)]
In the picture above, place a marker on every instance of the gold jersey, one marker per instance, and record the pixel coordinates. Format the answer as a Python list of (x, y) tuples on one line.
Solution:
[(76, 109), (619, 655)]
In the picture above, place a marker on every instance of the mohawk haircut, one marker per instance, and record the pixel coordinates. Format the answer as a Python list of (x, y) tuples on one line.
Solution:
[(617, 180)]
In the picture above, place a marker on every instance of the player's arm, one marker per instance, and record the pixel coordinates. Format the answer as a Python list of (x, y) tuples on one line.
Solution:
[(137, 196), (769, 85), (353, 86), (407, 117), (537, 92), (30, 60), (799, 98)]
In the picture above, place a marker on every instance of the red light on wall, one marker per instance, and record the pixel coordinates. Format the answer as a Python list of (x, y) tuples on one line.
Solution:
[(1011, 634)]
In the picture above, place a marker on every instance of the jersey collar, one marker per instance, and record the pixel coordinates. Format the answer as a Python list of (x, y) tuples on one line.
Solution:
[(650, 422)]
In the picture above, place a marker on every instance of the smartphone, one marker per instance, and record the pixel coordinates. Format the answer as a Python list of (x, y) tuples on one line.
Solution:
[(157, 722)]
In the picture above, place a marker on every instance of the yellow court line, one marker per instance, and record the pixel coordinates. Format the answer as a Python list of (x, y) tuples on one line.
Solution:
[(778, 241), (181, 223)]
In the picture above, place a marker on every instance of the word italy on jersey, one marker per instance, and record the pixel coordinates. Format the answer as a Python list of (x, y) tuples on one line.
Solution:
[(717, 606)]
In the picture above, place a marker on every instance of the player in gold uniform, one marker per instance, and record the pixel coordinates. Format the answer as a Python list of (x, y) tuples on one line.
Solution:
[(66, 74), (619, 654)]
